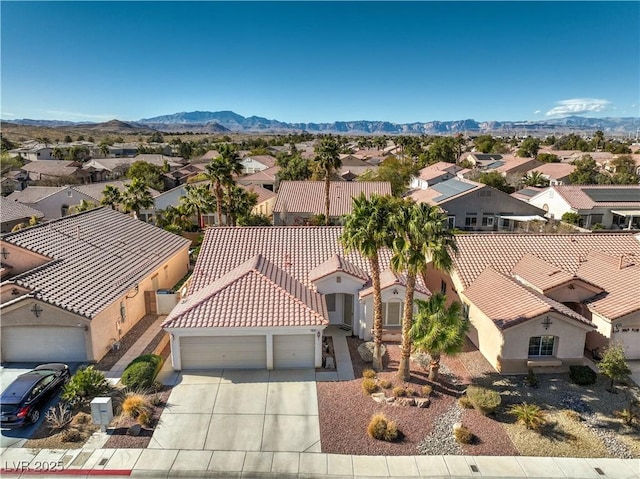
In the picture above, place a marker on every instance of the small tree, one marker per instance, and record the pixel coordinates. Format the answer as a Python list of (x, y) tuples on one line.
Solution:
[(571, 218), (614, 365)]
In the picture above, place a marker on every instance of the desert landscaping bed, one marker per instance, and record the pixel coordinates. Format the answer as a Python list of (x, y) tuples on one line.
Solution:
[(581, 420)]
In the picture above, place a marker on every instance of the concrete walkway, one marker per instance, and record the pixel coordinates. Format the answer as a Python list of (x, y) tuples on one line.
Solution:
[(115, 373), (344, 367), (169, 463)]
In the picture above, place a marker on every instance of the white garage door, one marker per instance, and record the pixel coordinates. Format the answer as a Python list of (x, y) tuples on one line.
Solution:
[(223, 352), (294, 351), (43, 344), (630, 340)]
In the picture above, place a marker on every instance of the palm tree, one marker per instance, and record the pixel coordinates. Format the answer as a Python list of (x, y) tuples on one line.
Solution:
[(104, 149), (239, 203), (423, 237), (136, 197), (197, 199), (58, 153), (220, 173), (367, 229), (328, 158), (111, 196), (535, 178), (438, 330)]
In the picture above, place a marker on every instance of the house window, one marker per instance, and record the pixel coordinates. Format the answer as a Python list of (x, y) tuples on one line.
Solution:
[(471, 221), (541, 345), (331, 302), (487, 220), (443, 287), (451, 222), (392, 313)]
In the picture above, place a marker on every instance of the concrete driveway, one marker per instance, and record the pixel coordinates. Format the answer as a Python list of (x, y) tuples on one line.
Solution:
[(256, 410)]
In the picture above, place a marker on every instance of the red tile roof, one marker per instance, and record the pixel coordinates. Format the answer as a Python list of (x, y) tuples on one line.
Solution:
[(577, 197), (389, 279), (255, 294), (539, 273), (337, 264), (518, 303)]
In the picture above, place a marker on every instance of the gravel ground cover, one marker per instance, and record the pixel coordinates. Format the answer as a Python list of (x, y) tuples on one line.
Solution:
[(128, 340)]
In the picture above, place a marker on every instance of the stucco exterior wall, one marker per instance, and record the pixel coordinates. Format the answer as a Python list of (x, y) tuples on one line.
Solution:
[(20, 259), (550, 201), (51, 206)]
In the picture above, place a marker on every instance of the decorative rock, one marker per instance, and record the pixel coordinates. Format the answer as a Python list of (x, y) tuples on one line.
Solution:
[(390, 400), (379, 397), (422, 402), (366, 351), (134, 430), (405, 402), (456, 426)]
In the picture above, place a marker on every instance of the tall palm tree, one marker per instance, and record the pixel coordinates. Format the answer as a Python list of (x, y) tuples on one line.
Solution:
[(422, 237), (111, 196), (239, 203), (220, 172), (198, 200), (328, 158), (535, 178), (136, 197), (367, 229), (438, 330)]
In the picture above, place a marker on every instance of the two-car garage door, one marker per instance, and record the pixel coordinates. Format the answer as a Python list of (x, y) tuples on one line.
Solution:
[(43, 344), (246, 352)]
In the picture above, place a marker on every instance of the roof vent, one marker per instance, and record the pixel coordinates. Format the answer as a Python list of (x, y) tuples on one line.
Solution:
[(287, 260)]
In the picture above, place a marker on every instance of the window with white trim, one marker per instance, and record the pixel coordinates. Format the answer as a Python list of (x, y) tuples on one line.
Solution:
[(392, 313), (541, 345)]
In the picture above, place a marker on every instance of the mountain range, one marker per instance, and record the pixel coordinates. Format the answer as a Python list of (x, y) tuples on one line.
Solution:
[(228, 121)]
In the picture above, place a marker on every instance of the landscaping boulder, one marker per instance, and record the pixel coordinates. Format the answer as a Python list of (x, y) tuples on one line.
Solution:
[(134, 430), (366, 351), (405, 401), (422, 402)]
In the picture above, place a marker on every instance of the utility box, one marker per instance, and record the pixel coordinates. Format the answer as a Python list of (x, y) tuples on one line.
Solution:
[(102, 412)]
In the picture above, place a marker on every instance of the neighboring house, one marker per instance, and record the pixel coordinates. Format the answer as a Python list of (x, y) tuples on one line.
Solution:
[(503, 164), (538, 301), (352, 167), (556, 173), (261, 298), (298, 201), (14, 180), (180, 176), (526, 193), (266, 199), (254, 163), (33, 151), (209, 155), (473, 206), (52, 169), (74, 287), (612, 206), (434, 174), (14, 213), (267, 179), (104, 169)]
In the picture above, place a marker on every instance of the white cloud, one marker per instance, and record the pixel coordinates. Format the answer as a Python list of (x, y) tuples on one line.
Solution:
[(576, 106), (537, 112), (72, 115)]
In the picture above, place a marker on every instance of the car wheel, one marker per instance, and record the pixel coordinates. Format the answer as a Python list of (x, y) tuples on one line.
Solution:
[(34, 416)]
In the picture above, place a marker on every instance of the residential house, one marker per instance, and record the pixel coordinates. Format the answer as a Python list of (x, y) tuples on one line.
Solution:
[(33, 151), (55, 169), (506, 165), (104, 169), (612, 206), (73, 287), (14, 213), (267, 179), (353, 167), (298, 201), (434, 174), (555, 173), (254, 163), (473, 206), (538, 301), (260, 297), (180, 176), (14, 180)]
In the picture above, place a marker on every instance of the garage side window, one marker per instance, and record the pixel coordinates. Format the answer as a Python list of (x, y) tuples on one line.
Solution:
[(541, 345), (331, 302)]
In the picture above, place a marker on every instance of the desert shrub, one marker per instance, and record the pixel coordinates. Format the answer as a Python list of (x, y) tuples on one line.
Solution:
[(582, 375), (384, 383), (369, 385), (463, 434), (571, 414), (399, 392), (71, 435), (486, 401), (134, 405), (369, 373), (156, 400), (382, 429), (142, 371), (58, 417), (86, 384), (465, 402), (426, 390), (629, 415), (530, 415), (531, 379), (144, 418)]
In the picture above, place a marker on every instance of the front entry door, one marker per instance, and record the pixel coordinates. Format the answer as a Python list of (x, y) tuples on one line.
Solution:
[(348, 309)]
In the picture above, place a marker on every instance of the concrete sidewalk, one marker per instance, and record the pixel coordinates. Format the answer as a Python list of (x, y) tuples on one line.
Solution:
[(207, 463)]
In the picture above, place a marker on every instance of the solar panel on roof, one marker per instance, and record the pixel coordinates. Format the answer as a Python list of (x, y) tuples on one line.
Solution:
[(613, 195), (451, 188)]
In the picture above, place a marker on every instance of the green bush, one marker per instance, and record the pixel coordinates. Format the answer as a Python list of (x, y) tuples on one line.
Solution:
[(530, 415), (465, 403), (86, 384), (142, 371), (369, 385), (484, 400), (582, 375), (382, 429)]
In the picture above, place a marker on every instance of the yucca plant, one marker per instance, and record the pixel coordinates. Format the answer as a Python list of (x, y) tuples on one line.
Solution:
[(530, 415)]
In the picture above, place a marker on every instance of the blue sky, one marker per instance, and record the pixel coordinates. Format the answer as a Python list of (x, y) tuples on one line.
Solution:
[(320, 61)]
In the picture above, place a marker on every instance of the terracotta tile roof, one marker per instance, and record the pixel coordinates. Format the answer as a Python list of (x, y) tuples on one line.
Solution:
[(52, 167), (578, 196), (555, 170), (255, 294), (308, 196), (334, 264), (539, 273), (389, 279), (445, 191), (263, 193), (97, 256), (518, 303), (14, 210), (267, 160), (621, 275), (265, 175)]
